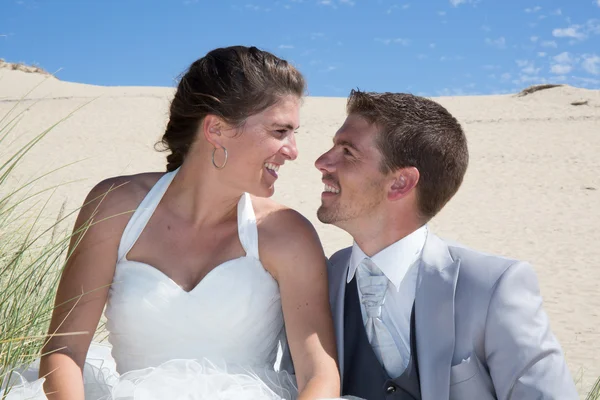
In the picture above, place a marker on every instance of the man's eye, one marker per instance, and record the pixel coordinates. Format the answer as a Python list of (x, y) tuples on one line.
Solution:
[(347, 152)]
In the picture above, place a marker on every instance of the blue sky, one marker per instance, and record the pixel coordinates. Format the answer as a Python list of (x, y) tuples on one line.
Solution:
[(427, 47)]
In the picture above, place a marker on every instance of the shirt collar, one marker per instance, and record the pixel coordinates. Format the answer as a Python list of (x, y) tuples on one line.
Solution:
[(395, 260)]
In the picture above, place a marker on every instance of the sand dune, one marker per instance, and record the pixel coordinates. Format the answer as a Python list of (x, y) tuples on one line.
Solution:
[(532, 190)]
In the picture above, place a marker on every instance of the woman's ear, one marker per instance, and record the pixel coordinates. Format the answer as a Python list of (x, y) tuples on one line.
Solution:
[(211, 129), (404, 181)]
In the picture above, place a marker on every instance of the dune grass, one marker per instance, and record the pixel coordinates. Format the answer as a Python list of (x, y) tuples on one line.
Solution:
[(32, 254), (23, 67), (536, 88), (594, 393)]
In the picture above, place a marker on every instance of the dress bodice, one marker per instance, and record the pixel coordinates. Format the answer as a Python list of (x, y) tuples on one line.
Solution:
[(233, 315)]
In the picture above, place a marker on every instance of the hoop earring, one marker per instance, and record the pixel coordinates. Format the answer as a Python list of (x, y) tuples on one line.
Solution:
[(213, 158)]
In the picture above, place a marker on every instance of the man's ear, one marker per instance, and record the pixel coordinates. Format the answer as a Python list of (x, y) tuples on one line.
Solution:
[(211, 127), (404, 181)]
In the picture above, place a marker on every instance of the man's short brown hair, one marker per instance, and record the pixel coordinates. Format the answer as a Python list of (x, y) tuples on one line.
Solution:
[(417, 132)]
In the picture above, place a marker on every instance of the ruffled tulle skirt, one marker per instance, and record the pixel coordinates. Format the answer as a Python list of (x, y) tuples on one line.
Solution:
[(174, 379)]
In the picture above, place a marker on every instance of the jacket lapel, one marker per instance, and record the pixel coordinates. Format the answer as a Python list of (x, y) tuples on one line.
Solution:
[(434, 319), (338, 271)]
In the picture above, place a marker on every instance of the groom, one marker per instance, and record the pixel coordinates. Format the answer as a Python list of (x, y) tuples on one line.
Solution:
[(417, 317)]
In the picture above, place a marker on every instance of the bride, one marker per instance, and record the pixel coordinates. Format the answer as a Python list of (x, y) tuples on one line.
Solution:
[(201, 274)]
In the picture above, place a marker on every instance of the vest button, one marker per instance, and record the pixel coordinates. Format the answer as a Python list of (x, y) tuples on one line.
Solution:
[(390, 389)]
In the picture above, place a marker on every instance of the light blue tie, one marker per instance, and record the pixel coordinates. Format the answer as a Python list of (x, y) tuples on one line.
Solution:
[(373, 286)]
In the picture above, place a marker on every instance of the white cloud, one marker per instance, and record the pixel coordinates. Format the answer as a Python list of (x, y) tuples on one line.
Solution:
[(432, 45), (527, 78), (590, 81), (396, 6), (457, 91), (549, 43), (401, 41), (563, 63), (505, 76), (491, 67), (593, 26), (499, 43), (456, 3), (598, 3), (329, 69), (441, 13), (347, 2), (286, 46), (561, 69), (591, 64), (541, 54), (531, 70), (572, 32), (528, 67), (534, 39), (522, 63), (563, 58), (533, 10), (558, 11), (486, 28)]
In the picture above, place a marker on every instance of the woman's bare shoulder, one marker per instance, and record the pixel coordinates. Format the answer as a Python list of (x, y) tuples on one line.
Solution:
[(275, 217), (283, 230), (118, 195)]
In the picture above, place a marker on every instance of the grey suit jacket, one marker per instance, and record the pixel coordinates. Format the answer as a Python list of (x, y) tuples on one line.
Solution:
[(481, 330)]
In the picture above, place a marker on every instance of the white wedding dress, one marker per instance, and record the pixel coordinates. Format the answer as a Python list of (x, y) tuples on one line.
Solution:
[(217, 341)]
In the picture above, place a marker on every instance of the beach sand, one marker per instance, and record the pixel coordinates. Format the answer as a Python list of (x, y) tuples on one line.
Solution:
[(532, 190)]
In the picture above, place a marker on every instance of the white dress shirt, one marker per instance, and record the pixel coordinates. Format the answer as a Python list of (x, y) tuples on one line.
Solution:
[(398, 264)]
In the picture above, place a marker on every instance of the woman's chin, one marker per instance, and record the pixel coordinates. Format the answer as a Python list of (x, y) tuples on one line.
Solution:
[(268, 192), (262, 190)]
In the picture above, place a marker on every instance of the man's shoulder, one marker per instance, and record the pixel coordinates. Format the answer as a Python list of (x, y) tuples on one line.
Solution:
[(469, 255), (479, 267), (340, 257)]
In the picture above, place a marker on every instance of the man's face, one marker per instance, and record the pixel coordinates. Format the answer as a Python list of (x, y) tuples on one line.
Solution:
[(355, 187)]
